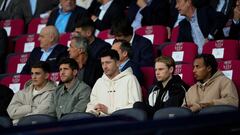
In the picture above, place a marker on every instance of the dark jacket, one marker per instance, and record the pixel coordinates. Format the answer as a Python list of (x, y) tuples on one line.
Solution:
[(6, 95), (77, 13), (58, 52)]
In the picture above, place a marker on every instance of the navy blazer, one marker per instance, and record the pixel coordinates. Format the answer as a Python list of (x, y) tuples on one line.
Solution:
[(114, 12), (157, 13), (97, 46), (234, 31), (142, 51), (136, 70), (58, 52), (209, 21), (77, 13)]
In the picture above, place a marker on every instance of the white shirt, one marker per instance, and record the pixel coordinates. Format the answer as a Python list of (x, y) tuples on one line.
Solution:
[(104, 9)]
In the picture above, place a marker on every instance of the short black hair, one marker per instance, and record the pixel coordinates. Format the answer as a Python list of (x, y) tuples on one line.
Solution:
[(112, 53), (125, 46), (121, 27), (71, 62), (85, 22), (43, 65), (209, 60)]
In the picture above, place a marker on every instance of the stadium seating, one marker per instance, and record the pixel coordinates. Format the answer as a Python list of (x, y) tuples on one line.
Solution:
[(36, 24), (15, 62), (26, 43), (106, 36), (185, 71)]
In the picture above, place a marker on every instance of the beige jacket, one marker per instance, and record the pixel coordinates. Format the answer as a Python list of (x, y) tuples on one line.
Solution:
[(218, 89), (24, 103)]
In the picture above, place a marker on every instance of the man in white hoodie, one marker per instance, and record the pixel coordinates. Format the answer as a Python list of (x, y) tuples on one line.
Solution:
[(115, 90)]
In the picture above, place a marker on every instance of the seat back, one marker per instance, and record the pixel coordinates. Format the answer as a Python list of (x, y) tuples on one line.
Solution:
[(148, 76), (54, 76), (65, 39), (26, 43), (183, 52), (185, 71), (218, 109), (134, 113), (36, 24), (172, 112), (36, 119), (106, 36), (174, 34), (15, 82), (77, 116), (223, 49), (231, 69), (15, 62), (157, 34), (13, 27), (5, 122)]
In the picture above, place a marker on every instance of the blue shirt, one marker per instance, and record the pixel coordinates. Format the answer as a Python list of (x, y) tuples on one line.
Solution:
[(62, 20), (122, 65), (47, 53), (33, 5)]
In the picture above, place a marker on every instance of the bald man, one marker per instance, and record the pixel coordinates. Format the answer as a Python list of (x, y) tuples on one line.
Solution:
[(49, 50)]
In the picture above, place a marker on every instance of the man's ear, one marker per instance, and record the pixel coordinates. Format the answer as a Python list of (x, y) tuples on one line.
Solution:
[(75, 71), (47, 75), (171, 69)]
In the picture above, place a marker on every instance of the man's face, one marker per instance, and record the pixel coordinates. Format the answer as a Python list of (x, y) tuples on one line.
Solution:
[(39, 77), (162, 72), (82, 32), (183, 6), (68, 5), (45, 38), (110, 66), (73, 51), (116, 47), (66, 73), (200, 70)]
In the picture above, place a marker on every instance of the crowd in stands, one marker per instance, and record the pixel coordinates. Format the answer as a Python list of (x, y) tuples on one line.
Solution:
[(101, 77)]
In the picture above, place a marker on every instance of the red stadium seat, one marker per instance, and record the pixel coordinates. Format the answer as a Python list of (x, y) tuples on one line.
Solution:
[(185, 71), (36, 25), (65, 39), (26, 43), (15, 82), (183, 52), (55, 77), (148, 76), (15, 62), (232, 71), (13, 27), (223, 49), (174, 34), (106, 36)]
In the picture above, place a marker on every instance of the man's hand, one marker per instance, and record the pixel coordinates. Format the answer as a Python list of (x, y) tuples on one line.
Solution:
[(236, 12), (101, 108), (94, 18), (204, 105), (194, 107)]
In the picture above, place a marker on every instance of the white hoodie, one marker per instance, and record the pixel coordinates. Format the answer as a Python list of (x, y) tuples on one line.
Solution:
[(119, 93)]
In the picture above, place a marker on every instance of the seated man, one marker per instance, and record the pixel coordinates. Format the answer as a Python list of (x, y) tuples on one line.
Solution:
[(169, 90), (235, 27), (89, 70), (73, 95), (125, 54), (36, 97), (212, 88), (65, 17), (49, 50), (114, 90)]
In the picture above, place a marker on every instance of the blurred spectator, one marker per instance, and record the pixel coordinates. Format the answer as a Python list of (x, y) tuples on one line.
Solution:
[(148, 12), (125, 54), (84, 3), (49, 50), (73, 95), (36, 97), (65, 17), (6, 95), (235, 27), (104, 12), (168, 91), (142, 47), (9, 8), (89, 70), (29, 9), (212, 88), (114, 90), (200, 24)]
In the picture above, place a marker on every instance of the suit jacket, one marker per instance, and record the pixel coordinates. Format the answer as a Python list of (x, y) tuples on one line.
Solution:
[(173, 14), (77, 13), (157, 13), (142, 51), (3, 48), (25, 11), (6, 95), (136, 70), (235, 31), (58, 52), (209, 21), (11, 10), (114, 12), (96, 48)]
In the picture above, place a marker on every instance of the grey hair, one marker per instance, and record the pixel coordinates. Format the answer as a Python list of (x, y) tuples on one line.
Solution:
[(81, 43)]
